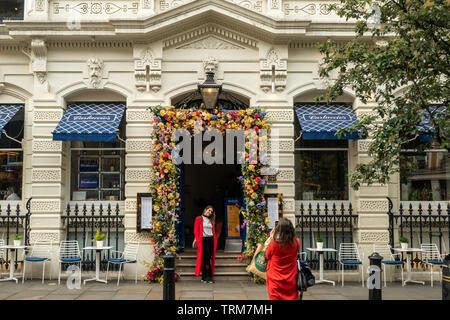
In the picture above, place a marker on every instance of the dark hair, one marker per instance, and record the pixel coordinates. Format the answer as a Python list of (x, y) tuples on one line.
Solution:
[(284, 232), (212, 217)]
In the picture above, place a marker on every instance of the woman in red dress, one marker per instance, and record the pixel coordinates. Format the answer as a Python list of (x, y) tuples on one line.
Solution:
[(205, 236), (281, 256)]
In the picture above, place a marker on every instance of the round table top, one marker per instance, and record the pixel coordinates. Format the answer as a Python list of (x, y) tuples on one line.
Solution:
[(13, 247), (97, 248), (407, 249), (323, 249)]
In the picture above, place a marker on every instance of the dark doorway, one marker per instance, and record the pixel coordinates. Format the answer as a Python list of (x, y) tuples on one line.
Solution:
[(202, 185)]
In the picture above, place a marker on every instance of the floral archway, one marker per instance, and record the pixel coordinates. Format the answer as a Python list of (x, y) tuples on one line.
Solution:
[(165, 184)]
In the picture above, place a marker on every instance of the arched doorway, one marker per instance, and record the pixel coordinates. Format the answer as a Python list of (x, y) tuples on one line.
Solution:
[(205, 184)]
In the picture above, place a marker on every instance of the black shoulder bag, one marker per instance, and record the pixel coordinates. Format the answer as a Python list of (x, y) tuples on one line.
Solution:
[(305, 278)]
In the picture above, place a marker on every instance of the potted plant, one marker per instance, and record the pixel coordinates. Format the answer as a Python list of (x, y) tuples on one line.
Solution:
[(319, 243), (404, 242), (17, 237), (99, 237)]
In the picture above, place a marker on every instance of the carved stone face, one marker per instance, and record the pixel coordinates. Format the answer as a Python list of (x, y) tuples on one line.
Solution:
[(95, 69)]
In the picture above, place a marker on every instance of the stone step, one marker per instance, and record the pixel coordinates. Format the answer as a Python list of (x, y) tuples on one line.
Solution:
[(218, 261), (223, 275), (217, 268)]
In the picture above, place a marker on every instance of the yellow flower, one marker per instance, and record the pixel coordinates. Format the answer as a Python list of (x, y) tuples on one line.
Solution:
[(173, 249), (249, 112), (267, 221), (254, 195), (251, 167)]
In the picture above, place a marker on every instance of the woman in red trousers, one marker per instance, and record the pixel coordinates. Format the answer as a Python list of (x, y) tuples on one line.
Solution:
[(205, 236), (281, 256)]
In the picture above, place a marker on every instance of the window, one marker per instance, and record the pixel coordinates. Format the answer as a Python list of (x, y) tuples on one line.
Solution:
[(11, 10), (97, 169), (11, 158), (321, 174), (425, 176)]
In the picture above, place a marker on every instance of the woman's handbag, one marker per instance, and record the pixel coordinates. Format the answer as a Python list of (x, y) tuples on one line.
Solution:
[(258, 265), (305, 278)]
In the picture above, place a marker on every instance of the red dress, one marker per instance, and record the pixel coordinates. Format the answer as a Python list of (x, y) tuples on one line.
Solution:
[(282, 271), (198, 233)]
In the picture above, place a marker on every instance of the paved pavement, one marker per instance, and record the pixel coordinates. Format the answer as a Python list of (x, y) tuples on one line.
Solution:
[(195, 290)]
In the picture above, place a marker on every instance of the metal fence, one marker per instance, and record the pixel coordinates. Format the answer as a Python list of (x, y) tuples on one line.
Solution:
[(420, 224), (81, 224), (333, 223), (14, 220)]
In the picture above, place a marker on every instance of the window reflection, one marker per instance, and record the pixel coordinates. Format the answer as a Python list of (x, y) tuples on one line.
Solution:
[(425, 176)]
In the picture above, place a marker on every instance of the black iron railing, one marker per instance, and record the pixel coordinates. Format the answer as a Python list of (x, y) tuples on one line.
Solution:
[(14, 220), (82, 223), (333, 223), (421, 224)]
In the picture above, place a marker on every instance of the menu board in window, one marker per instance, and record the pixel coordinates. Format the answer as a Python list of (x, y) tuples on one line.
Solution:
[(88, 165)]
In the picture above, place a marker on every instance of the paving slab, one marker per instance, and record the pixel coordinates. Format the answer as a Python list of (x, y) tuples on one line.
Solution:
[(61, 297), (129, 296), (230, 296), (29, 295), (99, 295), (196, 294)]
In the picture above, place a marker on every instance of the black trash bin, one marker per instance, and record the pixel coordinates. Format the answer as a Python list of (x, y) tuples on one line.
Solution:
[(446, 278)]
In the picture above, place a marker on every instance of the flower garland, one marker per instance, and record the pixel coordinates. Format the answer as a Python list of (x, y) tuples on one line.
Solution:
[(164, 186)]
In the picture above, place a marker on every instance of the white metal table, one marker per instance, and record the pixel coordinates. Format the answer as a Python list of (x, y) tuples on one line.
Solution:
[(321, 251), (12, 261), (409, 252), (98, 250)]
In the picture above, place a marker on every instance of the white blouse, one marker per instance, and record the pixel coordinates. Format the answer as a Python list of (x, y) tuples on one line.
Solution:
[(207, 227)]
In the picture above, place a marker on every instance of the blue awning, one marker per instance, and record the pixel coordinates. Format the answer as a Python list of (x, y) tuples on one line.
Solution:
[(322, 121), (425, 127), (90, 122), (7, 112)]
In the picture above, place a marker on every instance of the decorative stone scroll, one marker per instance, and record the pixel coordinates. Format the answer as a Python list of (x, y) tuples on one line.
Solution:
[(39, 59), (147, 71), (273, 69)]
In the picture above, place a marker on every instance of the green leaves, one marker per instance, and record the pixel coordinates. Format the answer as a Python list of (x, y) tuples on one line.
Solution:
[(402, 63)]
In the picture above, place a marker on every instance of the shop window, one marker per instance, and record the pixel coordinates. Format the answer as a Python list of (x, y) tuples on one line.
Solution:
[(321, 169), (11, 158), (97, 169), (425, 176)]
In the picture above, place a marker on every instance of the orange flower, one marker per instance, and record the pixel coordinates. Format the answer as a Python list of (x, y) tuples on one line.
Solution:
[(152, 240)]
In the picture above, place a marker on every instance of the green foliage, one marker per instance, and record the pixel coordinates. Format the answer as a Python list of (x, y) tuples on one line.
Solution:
[(99, 236), (401, 62), (404, 240), (17, 236), (319, 239)]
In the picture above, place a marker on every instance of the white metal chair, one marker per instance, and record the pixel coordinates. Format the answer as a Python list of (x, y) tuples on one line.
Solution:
[(69, 252), (388, 258), (431, 256), (41, 252), (129, 255), (349, 256)]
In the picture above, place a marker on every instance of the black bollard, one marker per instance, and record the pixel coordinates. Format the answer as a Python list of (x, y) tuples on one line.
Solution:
[(169, 277), (446, 278), (374, 281)]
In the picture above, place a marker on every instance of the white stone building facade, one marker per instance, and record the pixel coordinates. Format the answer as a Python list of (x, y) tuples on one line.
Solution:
[(145, 53)]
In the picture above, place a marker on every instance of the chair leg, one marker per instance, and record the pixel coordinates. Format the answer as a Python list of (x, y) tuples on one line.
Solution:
[(31, 271), (43, 271), (107, 270), (342, 275), (385, 277), (118, 277), (59, 274), (431, 271), (135, 280), (362, 276), (23, 276)]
